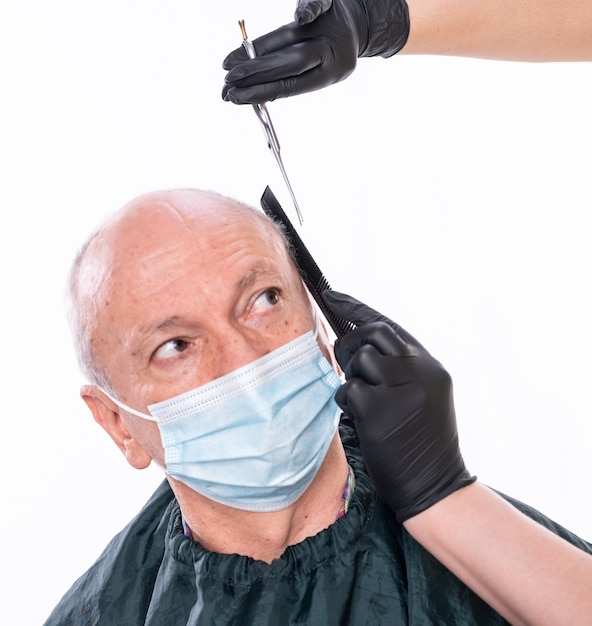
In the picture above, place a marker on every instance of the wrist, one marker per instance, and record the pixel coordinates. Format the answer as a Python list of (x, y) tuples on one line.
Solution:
[(433, 517), (438, 492), (388, 27)]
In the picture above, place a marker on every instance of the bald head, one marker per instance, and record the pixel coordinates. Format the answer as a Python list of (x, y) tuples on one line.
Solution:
[(186, 239)]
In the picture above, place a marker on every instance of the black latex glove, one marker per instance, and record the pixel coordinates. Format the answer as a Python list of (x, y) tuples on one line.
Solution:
[(400, 400), (319, 49)]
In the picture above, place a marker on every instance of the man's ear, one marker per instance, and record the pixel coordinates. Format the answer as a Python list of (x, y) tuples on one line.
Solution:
[(108, 415)]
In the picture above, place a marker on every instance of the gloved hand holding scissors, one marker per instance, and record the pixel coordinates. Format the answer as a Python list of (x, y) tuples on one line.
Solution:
[(400, 399), (319, 49)]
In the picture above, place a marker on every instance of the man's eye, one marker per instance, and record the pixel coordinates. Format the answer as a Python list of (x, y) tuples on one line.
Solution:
[(268, 299), (171, 349)]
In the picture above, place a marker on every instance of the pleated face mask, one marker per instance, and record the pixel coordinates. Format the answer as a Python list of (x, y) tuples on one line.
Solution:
[(255, 438)]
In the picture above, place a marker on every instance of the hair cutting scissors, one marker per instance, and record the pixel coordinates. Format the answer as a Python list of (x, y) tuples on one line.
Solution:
[(268, 129)]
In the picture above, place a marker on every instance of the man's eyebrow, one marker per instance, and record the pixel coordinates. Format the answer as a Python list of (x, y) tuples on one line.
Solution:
[(261, 271), (171, 322), (145, 333)]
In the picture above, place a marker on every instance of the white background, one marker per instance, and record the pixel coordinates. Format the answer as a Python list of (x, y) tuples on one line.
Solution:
[(453, 195)]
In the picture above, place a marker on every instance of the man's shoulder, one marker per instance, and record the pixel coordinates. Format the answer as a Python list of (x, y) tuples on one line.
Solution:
[(139, 545)]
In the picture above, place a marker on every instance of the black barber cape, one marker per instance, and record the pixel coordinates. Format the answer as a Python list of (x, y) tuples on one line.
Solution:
[(365, 569)]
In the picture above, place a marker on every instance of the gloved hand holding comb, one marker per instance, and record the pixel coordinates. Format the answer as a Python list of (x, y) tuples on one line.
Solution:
[(400, 400)]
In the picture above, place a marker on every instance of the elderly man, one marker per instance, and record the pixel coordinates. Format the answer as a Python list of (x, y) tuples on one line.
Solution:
[(205, 355), (178, 290)]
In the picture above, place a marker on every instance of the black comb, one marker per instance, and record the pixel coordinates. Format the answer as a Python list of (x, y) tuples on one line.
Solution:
[(309, 270)]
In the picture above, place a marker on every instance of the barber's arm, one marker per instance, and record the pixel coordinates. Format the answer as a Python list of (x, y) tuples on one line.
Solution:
[(322, 45), (509, 30), (400, 399)]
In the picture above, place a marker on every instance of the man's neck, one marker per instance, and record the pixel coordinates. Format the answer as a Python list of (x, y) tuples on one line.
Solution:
[(265, 536)]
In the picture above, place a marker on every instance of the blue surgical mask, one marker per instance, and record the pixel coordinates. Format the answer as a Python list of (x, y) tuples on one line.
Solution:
[(255, 438)]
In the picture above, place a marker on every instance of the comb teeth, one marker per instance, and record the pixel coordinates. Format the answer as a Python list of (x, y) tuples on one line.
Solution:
[(309, 270), (323, 285)]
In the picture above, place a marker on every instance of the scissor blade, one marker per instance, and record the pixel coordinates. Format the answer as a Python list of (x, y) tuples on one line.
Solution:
[(263, 116), (274, 145), (278, 158)]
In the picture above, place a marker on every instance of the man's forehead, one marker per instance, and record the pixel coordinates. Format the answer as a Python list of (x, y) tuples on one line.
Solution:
[(174, 214), (162, 219), (154, 230)]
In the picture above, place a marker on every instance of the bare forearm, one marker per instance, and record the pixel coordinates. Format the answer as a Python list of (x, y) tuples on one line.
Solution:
[(522, 30), (524, 571)]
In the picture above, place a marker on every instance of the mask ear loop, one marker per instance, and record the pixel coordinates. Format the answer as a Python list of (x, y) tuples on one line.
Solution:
[(320, 332), (128, 409)]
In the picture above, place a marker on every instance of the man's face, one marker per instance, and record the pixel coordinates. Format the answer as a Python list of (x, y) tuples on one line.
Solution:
[(188, 297)]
